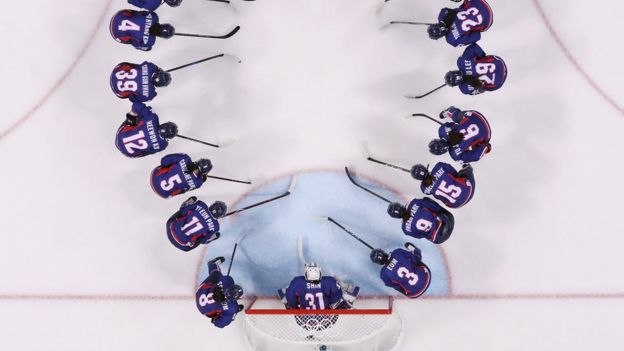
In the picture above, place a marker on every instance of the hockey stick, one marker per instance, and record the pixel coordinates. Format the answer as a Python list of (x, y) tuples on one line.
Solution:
[(196, 62), (197, 141), (426, 116), (412, 23), (426, 94), (240, 237), (223, 1), (350, 233), (302, 259), (389, 165), (288, 192), (229, 179), (364, 188), (224, 36)]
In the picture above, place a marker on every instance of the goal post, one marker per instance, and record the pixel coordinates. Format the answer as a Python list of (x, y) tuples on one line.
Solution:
[(373, 325)]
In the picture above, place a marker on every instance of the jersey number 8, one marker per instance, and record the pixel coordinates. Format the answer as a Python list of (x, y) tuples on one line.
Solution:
[(206, 299)]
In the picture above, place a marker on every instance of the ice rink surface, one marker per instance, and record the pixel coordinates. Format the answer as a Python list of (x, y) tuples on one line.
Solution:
[(534, 263)]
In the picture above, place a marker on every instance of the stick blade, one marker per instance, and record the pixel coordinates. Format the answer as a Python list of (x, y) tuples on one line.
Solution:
[(293, 184), (302, 259)]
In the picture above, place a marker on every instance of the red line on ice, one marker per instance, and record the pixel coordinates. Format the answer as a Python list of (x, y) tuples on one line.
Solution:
[(573, 60), (63, 77)]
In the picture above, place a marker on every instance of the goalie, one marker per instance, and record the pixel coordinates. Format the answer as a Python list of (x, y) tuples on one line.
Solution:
[(312, 291)]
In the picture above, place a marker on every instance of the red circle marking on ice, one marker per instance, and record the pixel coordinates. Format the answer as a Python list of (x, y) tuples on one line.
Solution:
[(573, 60), (62, 78)]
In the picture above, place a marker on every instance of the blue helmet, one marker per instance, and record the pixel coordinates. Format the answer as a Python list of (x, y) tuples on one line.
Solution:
[(437, 31), (218, 209), (204, 165), (234, 292), (379, 256), (173, 3), (168, 130), (438, 147), (419, 172), (396, 210), (161, 78)]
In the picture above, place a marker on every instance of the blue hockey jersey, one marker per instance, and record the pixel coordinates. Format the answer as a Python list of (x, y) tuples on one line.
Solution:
[(491, 70), (134, 81), (406, 274), (304, 295), (133, 28), (471, 18), (452, 188), (143, 138), (221, 313), (151, 5), (476, 131), (172, 177), (192, 226), (423, 221)]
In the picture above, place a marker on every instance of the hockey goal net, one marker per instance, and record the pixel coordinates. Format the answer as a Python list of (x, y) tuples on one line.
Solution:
[(270, 327)]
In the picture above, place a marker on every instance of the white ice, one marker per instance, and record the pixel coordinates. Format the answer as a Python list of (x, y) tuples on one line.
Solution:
[(536, 258)]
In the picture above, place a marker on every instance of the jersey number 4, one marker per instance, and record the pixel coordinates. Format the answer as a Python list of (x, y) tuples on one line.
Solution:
[(127, 25)]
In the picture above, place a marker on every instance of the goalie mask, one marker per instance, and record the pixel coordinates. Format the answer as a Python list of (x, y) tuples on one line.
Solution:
[(313, 273)]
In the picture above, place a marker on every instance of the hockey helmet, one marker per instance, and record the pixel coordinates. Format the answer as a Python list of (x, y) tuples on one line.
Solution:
[(161, 78), (396, 210), (379, 256), (313, 272), (218, 209), (438, 147), (419, 172), (168, 130), (234, 292)]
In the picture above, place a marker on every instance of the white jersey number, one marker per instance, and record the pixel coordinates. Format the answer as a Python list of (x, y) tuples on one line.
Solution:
[(127, 25), (125, 80), (423, 225), (193, 227), (206, 299), (486, 72), (168, 184), (311, 298), (470, 131), (403, 272), (467, 23), (448, 191), (135, 142)]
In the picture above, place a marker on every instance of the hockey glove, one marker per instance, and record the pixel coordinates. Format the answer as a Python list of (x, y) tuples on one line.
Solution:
[(473, 81), (454, 138)]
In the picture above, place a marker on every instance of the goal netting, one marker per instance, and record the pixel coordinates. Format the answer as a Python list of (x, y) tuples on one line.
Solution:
[(270, 327)]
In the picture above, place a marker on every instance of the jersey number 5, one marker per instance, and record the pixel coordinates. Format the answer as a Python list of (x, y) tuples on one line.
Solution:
[(168, 184)]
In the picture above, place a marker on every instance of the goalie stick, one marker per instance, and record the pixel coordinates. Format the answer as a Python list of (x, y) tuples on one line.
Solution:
[(238, 240), (412, 23), (290, 190)]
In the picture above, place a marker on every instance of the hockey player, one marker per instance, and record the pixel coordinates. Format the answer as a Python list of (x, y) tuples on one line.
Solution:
[(139, 28), (178, 174), (403, 270), (477, 72), (463, 25), (424, 219), (216, 297), (195, 224), (454, 189), (312, 291), (138, 82), (152, 5), (466, 138), (141, 134)]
